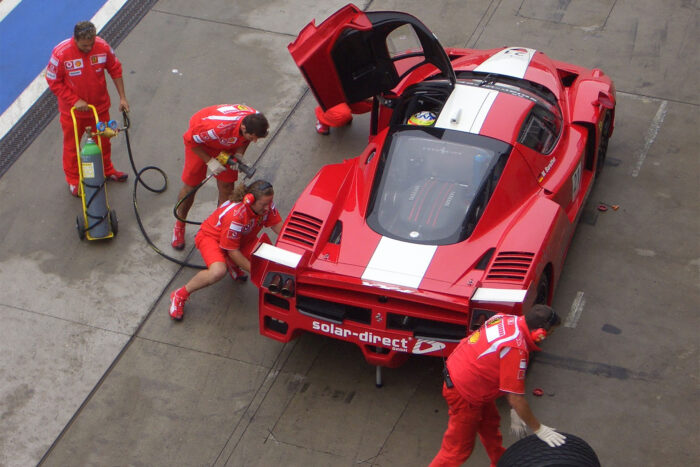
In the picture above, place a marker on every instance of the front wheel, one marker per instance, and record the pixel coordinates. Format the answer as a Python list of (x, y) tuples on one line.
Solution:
[(533, 452)]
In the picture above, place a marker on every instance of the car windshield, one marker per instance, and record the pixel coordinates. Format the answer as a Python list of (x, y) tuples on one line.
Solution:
[(432, 184)]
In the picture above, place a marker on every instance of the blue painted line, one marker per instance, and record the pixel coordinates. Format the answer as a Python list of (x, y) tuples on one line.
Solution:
[(27, 36)]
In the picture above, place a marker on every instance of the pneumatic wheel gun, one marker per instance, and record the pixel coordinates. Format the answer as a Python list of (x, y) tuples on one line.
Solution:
[(230, 160)]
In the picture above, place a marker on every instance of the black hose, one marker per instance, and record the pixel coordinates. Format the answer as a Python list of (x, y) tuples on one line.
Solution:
[(138, 180)]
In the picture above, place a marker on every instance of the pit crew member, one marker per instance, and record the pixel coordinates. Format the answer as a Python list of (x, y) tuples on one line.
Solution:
[(227, 237), (76, 75), (225, 127), (487, 364)]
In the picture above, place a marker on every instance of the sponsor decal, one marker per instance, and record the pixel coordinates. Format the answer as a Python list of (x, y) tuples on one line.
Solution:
[(197, 139), (244, 108), (367, 337), (516, 51), (546, 170), (99, 58), (424, 346), (495, 330), (50, 75), (228, 141), (54, 61), (69, 65), (75, 73), (211, 134), (576, 182), (474, 337)]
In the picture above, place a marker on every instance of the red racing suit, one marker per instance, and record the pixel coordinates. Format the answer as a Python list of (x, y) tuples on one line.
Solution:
[(489, 362), (232, 226), (215, 128), (72, 75)]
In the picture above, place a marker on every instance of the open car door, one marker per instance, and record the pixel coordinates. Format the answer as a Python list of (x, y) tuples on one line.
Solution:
[(353, 55)]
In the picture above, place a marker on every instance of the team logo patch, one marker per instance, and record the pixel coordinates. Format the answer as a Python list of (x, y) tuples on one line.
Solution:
[(50, 75), (474, 337), (424, 346), (75, 73), (54, 61), (99, 58)]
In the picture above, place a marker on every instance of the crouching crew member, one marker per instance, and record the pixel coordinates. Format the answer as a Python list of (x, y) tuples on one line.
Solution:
[(491, 362), (227, 237), (224, 127)]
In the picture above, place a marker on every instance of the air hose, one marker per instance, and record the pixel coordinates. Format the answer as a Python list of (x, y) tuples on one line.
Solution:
[(137, 180)]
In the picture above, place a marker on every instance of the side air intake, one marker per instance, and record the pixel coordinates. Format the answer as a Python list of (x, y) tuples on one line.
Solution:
[(510, 266), (302, 229)]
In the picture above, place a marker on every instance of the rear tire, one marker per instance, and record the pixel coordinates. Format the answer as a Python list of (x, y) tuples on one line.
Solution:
[(603, 142), (533, 452), (543, 290)]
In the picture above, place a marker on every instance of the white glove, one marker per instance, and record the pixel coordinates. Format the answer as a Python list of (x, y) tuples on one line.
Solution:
[(517, 425), (215, 166), (549, 436)]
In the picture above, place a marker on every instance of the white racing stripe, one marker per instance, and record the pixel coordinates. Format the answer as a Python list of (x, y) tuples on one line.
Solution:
[(512, 61), (576, 309), (37, 87), (399, 263), (466, 109)]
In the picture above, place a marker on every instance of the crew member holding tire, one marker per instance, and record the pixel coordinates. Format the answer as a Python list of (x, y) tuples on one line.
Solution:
[(227, 238), (224, 127), (491, 362)]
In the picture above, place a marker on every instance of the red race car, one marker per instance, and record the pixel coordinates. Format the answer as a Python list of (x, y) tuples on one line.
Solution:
[(462, 205)]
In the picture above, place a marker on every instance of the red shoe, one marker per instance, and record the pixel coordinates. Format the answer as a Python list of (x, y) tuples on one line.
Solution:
[(177, 305), (322, 129), (117, 176), (178, 241), (236, 273), (74, 190)]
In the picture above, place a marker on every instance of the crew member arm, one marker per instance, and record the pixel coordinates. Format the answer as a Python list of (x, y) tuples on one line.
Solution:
[(240, 260), (522, 408), (55, 73), (277, 228), (123, 103), (201, 153)]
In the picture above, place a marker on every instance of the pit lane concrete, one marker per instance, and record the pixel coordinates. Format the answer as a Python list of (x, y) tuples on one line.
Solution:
[(95, 373)]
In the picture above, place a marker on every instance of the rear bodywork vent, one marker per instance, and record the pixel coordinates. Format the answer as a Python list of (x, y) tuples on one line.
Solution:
[(302, 229), (510, 266)]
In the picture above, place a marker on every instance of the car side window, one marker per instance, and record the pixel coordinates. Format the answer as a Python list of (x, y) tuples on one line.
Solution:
[(540, 130)]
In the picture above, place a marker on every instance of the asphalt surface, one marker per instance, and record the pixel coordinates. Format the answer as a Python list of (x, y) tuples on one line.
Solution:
[(94, 371)]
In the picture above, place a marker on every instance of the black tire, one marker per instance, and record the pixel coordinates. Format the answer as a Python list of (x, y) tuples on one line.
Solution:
[(603, 142), (533, 452), (80, 227), (113, 222), (543, 290)]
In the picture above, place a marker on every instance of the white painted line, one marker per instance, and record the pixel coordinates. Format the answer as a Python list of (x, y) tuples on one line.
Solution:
[(37, 87), (652, 132), (576, 309), (6, 7)]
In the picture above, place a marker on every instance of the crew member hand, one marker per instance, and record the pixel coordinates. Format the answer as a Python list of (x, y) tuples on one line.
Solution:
[(215, 166), (517, 425), (549, 436), (81, 106)]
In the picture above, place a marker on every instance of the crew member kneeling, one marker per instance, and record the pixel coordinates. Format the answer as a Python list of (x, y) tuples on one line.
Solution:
[(490, 362), (226, 239)]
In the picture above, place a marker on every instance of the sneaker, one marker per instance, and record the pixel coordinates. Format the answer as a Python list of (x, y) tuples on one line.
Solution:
[(74, 190), (322, 129), (236, 273), (177, 306), (117, 176), (178, 241)]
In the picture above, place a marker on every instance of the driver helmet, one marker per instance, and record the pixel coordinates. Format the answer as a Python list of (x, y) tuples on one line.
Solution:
[(422, 118)]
